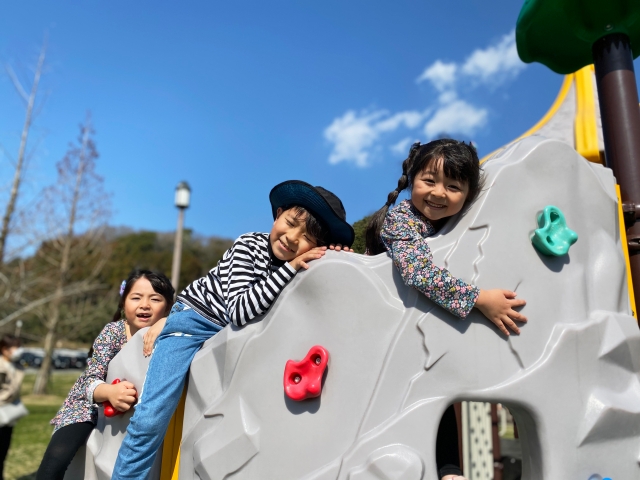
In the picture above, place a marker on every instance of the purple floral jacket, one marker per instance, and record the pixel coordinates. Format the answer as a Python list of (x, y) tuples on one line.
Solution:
[(79, 405), (404, 234)]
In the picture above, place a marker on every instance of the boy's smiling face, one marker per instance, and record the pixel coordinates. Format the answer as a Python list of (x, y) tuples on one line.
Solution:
[(289, 238)]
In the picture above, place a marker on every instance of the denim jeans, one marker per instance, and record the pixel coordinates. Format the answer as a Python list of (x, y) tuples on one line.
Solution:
[(182, 336)]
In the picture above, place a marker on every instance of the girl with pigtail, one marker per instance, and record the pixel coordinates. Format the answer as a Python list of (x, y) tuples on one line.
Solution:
[(145, 299), (444, 177)]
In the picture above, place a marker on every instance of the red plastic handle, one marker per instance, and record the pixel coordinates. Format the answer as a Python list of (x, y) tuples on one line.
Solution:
[(304, 379), (109, 411)]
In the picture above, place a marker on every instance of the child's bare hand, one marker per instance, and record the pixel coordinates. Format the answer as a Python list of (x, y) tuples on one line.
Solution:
[(453, 477), (339, 247), (151, 335), (313, 254), (122, 395), (498, 306)]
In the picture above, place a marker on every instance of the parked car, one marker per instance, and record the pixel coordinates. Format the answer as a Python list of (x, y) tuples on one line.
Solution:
[(30, 359), (63, 359)]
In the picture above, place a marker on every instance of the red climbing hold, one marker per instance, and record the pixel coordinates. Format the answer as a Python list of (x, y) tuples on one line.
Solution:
[(304, 379), (109, 411)]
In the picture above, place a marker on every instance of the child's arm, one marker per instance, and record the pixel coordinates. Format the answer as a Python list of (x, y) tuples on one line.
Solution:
[(106, 346), (248, 300), (412, 256), (413, 259)]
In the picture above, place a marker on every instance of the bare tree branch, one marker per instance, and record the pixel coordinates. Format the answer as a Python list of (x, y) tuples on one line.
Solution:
[(17, 177), (17, 84), (67, 292)]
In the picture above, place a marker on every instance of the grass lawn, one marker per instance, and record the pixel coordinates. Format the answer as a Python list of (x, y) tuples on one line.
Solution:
[(32, 433)]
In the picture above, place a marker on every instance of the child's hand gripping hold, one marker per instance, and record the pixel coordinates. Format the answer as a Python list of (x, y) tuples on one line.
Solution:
[(122, 395), (498, 306)]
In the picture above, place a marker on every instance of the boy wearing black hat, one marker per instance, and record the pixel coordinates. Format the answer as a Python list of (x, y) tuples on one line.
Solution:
[(243, 286)]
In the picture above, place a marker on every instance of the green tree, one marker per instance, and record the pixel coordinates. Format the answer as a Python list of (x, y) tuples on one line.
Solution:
[(360, 227)]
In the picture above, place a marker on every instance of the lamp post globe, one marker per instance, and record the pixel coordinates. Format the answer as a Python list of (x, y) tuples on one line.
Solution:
[(182, 199), (183, 195)]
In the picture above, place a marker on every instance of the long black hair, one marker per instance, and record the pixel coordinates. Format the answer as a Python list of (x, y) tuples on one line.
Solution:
[(460, 162), (160, 283)]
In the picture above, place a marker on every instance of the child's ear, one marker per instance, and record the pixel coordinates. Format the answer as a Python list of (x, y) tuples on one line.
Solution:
[(278, 213)]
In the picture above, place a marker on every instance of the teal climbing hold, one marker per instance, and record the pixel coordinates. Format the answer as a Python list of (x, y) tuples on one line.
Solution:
[(553, 237)]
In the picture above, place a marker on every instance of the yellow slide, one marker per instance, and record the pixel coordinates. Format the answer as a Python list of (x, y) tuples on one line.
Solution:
[(573, 118)]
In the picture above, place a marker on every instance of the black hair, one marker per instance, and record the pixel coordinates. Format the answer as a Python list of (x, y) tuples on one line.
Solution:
[(8, 341), (160, 283), (315, 227), (460, 162)]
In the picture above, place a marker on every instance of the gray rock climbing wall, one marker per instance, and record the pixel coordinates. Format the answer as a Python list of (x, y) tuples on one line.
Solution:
[(571, 379), (96, 460)]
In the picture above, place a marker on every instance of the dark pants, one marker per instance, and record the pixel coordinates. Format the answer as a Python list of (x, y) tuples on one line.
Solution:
[(447, 456), (5, 441), (63, 446)]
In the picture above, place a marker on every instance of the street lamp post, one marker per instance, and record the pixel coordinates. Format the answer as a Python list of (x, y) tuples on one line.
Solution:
[(183, 195), (18, 328)]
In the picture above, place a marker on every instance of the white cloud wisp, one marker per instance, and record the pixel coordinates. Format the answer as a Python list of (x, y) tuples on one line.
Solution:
[(355, 136)]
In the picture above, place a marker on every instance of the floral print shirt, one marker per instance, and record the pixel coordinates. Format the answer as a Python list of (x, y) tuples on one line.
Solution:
[(79, 405), (404, 234)]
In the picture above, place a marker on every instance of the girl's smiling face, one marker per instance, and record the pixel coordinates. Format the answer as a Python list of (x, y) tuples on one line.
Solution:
[(437, 196), (143, 306)]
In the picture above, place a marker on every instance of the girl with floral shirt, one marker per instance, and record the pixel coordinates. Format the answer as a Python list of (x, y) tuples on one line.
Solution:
[(443, 176), (146, 298)]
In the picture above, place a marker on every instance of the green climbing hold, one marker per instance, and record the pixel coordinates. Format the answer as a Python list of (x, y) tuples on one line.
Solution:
[(553, 237), (560, 33)]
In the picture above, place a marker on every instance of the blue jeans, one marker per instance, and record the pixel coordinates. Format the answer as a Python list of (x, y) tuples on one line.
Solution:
[(181, 338)]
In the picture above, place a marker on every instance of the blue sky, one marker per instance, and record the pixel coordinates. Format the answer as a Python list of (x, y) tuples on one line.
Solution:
[(235, 97)]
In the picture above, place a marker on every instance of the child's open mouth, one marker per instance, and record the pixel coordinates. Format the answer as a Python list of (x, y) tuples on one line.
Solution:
[(143, 316)]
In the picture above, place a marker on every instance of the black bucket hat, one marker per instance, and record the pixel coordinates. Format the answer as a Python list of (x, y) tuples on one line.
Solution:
[(322, 204)]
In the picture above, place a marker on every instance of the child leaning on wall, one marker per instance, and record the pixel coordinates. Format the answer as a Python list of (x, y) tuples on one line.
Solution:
[(244, 285), (444, 177), (145, 298)]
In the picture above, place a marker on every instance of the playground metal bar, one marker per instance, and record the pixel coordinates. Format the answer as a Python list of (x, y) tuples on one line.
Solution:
[(618, 98)]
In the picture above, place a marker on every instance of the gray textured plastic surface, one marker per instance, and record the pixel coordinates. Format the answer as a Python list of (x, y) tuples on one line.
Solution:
[(96, 460), (397, 360)]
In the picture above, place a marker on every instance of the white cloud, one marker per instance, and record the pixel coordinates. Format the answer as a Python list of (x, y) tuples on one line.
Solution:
[(496, 62), (447, 97), (441, 75), (402, 147), (456, 117), (492, 66), (354, 134)]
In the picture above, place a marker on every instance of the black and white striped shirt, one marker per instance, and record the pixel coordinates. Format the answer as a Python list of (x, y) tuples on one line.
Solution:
[(243, 285)]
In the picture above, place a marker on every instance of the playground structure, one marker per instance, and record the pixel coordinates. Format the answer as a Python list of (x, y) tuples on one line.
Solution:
[(397, 361), (572, 380)]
